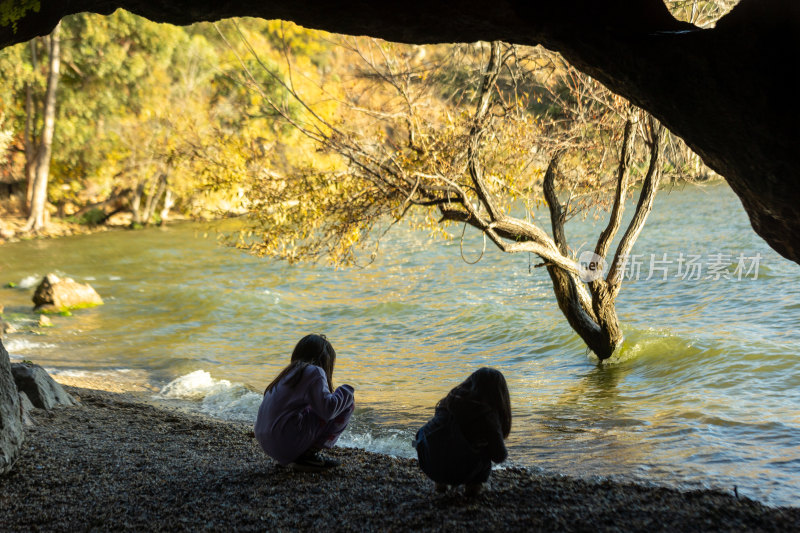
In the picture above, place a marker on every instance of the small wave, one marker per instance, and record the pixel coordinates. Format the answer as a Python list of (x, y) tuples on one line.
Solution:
[(226, 400), (219, 398), (394, 442), (19, 321), (16, 346), (239, 403), (274, 296), (193, 386), (108, 379), (29, 281), (73, 373), (647, 342)]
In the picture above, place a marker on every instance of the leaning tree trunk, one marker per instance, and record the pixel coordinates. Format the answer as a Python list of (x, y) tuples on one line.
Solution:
[(595, 322), (36, 219), (592, 316), (592, 313)]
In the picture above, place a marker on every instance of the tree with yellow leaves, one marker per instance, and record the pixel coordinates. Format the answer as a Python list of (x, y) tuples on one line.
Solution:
[(519, 128)]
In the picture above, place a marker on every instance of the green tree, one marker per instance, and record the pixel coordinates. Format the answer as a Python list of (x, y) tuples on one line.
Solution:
[(152, 118), (104, 63)]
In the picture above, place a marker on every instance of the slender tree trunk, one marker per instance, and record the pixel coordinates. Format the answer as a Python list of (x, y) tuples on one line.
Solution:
[(168, 203), (30, 134), (37, 220), (153, 198), (148, 206), (136, 205)]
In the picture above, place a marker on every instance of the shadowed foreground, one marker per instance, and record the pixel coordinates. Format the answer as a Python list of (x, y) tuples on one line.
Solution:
[(112, 463)]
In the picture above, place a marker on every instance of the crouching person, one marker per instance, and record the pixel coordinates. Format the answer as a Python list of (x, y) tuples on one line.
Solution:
[(467, 432), (301, 412)]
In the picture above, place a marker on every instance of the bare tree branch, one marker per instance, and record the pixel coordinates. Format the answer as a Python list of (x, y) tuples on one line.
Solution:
[(557, 214), (525, 237), (477, 130), (623, 179), (643, 207)]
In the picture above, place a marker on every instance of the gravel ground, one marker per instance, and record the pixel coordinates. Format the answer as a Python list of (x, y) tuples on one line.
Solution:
[(113, 463)]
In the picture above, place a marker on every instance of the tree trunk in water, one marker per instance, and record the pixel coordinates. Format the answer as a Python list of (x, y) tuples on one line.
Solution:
[(592, 316), (593, 319), (36, 220), (605, 309)]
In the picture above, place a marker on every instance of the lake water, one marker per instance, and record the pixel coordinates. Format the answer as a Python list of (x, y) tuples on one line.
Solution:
[(704, 393)]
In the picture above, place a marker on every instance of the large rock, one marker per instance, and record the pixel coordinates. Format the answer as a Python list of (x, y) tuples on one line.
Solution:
[(39, 387), (11, 435), (56, 294), (26, 409)]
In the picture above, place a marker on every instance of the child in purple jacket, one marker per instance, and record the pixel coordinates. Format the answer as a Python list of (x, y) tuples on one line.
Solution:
[(299, 414)]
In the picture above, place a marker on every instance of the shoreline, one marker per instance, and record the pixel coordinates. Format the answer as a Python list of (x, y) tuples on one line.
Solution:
[(115, 462), (58, 228)]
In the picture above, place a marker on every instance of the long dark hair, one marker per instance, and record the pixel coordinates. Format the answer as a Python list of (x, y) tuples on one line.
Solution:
[(486, 386), (310, 350)]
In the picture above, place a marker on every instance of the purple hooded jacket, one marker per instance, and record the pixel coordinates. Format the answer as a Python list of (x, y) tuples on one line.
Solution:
[(292, 419)]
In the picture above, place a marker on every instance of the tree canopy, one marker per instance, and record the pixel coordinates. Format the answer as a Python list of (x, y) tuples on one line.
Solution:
[(722, 89), (149, 117)]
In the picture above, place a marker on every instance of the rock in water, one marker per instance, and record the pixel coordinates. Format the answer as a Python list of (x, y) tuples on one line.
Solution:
[(6, 327), (11, 435), (56, 294), (41, 389)]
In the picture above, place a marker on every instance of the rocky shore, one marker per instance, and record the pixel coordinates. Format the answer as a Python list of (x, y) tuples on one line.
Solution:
[(11, 228), (114, 463)]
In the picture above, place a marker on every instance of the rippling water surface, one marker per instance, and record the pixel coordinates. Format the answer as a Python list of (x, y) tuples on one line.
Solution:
[(705, 391)]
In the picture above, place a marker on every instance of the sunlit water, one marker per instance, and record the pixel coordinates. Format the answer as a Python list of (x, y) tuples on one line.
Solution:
[(704, 393)]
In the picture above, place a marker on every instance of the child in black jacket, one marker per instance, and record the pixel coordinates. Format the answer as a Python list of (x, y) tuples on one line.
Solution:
[(458, 445)]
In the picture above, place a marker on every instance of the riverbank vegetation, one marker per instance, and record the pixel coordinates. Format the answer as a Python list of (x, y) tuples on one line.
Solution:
[(120, 120), (132, 118), (326, 141)]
